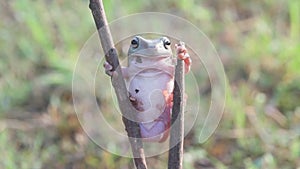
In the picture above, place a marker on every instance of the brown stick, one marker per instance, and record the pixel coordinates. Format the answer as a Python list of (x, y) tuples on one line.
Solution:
[(177, 121), (111, 56)]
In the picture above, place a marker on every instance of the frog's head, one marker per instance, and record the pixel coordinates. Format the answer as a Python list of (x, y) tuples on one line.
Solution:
[(150, 48)]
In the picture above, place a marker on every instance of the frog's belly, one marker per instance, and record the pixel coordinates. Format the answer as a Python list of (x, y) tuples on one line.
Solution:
[(150, 91)]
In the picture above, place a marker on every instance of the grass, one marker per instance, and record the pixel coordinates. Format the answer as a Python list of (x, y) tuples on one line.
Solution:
[(258, 42)]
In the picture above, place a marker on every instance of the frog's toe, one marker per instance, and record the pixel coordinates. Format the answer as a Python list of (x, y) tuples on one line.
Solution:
[(132, 99), (183, 55), (108, 68)]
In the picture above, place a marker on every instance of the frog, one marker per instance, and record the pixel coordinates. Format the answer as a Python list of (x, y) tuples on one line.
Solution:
[(149, 79)]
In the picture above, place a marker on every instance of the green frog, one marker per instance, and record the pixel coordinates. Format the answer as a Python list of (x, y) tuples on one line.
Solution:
[(150, 81)]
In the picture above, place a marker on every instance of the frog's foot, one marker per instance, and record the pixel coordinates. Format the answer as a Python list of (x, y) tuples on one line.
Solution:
[(135, 103), (132, 99), (182, 54), (168, 98), (109, 69)]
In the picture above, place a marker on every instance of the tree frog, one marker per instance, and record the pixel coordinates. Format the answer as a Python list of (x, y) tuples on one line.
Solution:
[(150, 79)]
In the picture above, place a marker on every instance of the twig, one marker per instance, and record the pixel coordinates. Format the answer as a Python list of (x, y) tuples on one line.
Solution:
[(176, 135), (254, 120), (111, 56)]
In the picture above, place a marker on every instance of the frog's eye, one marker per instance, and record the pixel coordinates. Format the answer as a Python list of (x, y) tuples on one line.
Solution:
[(135, 42), (166, 42)]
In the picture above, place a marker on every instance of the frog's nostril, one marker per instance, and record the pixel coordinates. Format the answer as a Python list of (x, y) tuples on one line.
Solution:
[(136, 90)]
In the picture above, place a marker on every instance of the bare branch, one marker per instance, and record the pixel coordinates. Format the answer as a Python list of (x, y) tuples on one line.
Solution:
[(111, 56), (177, 121)]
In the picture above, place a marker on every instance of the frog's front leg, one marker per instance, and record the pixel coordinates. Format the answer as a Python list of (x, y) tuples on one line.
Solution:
[(108, 70), (182, 53)]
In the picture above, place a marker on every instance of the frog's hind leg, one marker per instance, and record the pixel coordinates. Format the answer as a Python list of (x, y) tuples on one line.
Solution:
[(159, 132), (166, 118)]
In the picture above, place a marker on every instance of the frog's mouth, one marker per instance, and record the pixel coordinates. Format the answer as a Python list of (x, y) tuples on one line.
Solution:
[(146, 60), (149, 55)]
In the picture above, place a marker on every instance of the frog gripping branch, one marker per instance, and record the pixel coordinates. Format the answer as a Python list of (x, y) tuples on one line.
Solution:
[(150, 83), (154, 89), (153, 81), (149, 76)]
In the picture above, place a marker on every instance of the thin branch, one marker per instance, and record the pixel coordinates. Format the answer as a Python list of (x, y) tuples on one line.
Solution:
[(177, 121), (111, 56)]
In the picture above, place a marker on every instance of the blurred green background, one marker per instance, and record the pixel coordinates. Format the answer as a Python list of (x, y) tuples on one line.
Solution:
[(258, 42)]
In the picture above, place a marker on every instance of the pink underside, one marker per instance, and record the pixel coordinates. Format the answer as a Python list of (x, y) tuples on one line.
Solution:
[(159, 132)]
